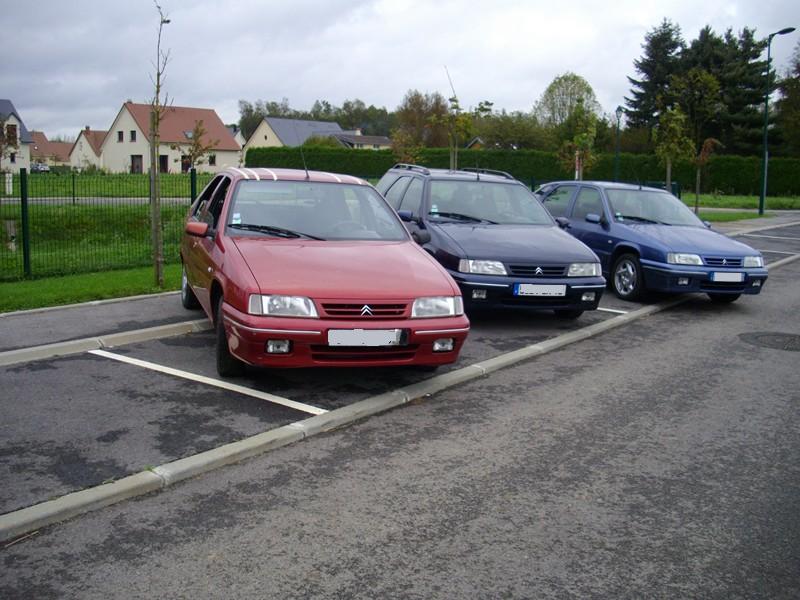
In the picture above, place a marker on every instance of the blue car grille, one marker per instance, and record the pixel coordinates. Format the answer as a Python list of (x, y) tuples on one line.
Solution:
[(531, 270), (723, 261)]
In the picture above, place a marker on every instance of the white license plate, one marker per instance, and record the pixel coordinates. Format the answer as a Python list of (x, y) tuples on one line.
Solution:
[(364, 337), (532, 289), (727, 277)]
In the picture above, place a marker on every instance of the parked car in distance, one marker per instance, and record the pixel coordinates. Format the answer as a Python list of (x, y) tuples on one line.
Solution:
[(647, 239), (299, 269), (494, 238), (40, 168)]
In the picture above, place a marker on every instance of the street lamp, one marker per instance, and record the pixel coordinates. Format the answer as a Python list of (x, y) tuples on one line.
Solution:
[(763, 195), (618, 112)]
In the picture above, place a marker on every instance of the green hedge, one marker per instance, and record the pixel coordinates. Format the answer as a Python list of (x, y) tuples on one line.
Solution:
[(725, 174)]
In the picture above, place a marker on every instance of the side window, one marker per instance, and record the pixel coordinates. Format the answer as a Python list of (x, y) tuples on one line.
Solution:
[(558, 201), (214, 206), (412, 201), (205, 196), (395, 193), (588, 201), (386, 182)]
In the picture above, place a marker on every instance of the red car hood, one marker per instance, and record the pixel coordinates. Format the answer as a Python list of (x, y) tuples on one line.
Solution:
[(344, 270)]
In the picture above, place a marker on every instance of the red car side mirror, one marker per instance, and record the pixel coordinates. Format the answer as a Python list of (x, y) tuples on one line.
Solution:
[(197, 228)]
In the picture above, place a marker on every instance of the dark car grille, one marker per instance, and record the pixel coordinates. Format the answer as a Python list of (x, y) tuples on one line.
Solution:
[(364, 310), (530, 270), (345, 354), (723, 261)]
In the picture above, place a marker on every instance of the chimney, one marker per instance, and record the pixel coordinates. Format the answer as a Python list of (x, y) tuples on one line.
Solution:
[(87, 128)]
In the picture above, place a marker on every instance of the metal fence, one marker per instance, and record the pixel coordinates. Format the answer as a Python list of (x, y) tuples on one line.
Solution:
[(60, 224)]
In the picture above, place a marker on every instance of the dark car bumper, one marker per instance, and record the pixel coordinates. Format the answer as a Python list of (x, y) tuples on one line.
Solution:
[(309, 342), (663, 277), (505, 292)]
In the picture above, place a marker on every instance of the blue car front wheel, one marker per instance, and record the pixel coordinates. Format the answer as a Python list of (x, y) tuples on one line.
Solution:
[(627, 278)]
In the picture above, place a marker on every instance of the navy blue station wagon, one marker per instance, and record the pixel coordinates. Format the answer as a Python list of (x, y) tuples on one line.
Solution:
[(495, 239), (647, 239)]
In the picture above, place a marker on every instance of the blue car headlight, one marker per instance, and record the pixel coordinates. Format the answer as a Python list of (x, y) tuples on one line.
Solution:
[(481, 267), (753, 261), (682, 258), (584, 270)]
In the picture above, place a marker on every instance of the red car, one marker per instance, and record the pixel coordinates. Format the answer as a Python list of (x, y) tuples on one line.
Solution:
[(299, 269)]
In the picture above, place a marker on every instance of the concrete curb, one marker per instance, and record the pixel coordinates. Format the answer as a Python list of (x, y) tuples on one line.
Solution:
[(33, 311), (35, 517), (734, 232), (12, 357)]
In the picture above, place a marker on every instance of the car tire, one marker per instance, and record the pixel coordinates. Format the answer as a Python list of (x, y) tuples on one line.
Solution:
[(723, 298), (568, 315), (227, 364), (188, 299), (627, 278)]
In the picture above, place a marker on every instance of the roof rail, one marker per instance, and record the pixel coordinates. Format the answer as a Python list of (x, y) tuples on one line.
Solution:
[(411, 167), (488, 172)]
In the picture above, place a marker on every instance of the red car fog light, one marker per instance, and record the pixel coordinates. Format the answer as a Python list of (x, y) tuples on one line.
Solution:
[(278, 346), (588, 297), (443, 345)]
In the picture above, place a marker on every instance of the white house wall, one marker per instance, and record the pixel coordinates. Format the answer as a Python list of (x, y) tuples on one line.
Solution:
[(263, 137), (116, 156), (22, 158), (82, 155)]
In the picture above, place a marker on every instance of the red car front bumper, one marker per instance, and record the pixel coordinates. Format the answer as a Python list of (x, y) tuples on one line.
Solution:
[(248, 336)]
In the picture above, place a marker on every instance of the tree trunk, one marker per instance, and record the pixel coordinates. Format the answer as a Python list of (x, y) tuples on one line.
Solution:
[(668, 185), (697, 190)]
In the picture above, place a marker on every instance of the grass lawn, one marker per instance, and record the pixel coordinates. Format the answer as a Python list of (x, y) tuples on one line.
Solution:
[(727, 216), (53, 291), (721, 201)]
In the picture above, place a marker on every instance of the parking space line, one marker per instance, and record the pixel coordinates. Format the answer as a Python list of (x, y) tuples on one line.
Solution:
[(776, 252), (613, 310), (771, 237), (240, 389)]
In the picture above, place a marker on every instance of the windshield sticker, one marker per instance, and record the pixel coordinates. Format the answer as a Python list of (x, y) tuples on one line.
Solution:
[(237, 219)]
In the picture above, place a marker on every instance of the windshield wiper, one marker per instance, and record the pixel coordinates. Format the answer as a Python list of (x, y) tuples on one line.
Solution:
[(461, 217), (278, 231), (640, 219)]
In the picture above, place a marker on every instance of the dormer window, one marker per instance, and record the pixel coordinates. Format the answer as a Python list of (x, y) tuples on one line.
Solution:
[(188, 134)]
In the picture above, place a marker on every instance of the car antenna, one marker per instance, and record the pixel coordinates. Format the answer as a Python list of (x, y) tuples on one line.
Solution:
[(302, 155)]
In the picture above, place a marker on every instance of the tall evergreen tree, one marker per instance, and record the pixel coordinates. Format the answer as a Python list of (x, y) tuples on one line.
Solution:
[(788, 108), (662, 51)]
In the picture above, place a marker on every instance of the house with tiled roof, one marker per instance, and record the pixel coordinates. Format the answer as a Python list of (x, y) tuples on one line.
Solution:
[(45, 152), (85, 152), (14, 157), (126, 147), (274, 132)]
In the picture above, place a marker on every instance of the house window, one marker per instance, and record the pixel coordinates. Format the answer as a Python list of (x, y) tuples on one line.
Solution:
[(11, 133), (13, 157), (133, 135), (212, 160), (120, 136)]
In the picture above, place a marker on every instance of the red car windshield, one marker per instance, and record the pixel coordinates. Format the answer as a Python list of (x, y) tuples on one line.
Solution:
[(326, 211)]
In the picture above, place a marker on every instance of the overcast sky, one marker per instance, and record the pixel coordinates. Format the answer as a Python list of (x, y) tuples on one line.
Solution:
[(72, 63)]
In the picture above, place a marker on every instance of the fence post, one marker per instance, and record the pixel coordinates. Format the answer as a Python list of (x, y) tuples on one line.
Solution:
[(26, 228), (193, 183), (73, 188)]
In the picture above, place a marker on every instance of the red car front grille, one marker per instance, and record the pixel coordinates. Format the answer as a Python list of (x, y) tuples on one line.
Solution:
[(365, 310), (361, 354)]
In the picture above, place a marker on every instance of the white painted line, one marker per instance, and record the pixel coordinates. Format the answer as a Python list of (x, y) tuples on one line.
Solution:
[(771, 237), (240, 389), (613, 310)]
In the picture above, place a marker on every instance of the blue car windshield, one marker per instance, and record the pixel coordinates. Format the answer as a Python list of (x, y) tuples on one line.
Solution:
[(649, 206), (486, 202), (307, 209)]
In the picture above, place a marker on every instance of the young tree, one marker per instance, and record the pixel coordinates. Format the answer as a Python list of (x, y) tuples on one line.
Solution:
[(671, 140), (579, 151), (157, 109), (421, 116), (662, 50), (199, 147), (700, 162), (561, 97), (698, 94)]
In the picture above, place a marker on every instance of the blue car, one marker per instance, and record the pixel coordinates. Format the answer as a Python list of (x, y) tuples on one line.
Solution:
[(494, 238), (647, 239)]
